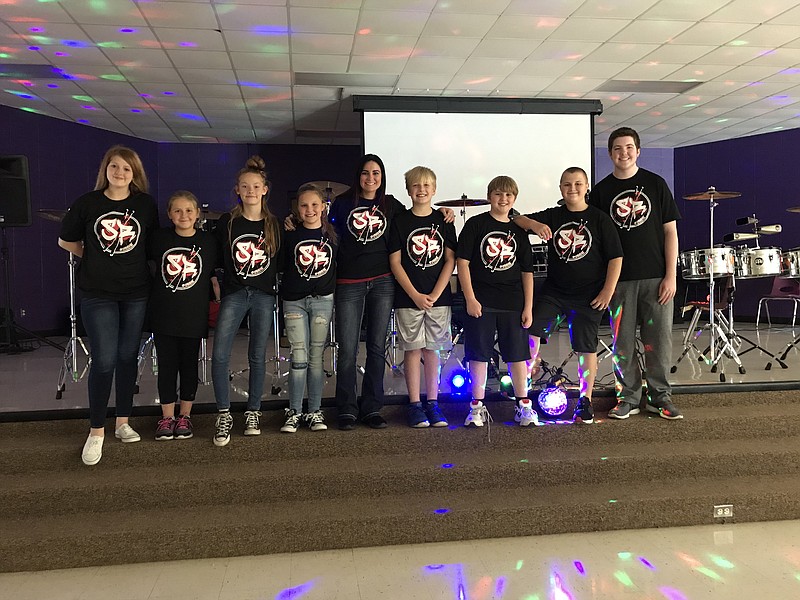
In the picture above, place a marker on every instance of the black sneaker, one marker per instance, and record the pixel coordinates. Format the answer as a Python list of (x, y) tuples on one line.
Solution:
[(665, 409), (292, 421), (375, 421), (347, 422), (623, 410), (583, 411)]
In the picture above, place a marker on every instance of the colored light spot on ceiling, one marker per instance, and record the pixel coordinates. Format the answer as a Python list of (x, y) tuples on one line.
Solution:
[(74, 43), (84, 121), (83, 98), (442, 511), (135, 110), (797, 576), (295, 592), (499, 587), (434, 567), (187, 45), (364, 31), (689, 105), (127, 30), (579, 567), (109, 45), (253, 84), (145, 95), (61, 53), (672, 594), (53, 85), (31, 110), (534, 597), (721, 562), (721, 120), (519, 564), (36, 29), (34, 48), (18, 94), (269, 29), (190, 116), (737, 43), (624, 555), (623, 578), (88, 107), (709, 573), (168, 93), (646, 563), (113, 77)]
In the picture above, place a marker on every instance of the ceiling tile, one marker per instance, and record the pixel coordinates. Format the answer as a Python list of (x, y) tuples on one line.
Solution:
[(143, 74), (321, 43), (623, 9), (244, 17), (678, 53), (650, 71), (455, 47), (260, 62), (545, 8), (150, 58), (682, 10), (319, 63), (525, 27), (711, 33), (173, 14), (438, 65), (651, 31), (617, 52), (256, 42), (585, 29), (505, 48), (387, 22), (377, 64), (322, 20), (202, 39), (746, 11), (595, 69), (199, 59), (384, 45), (466, 25)]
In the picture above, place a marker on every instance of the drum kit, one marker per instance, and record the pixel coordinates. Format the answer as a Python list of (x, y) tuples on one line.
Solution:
[(731, 263)]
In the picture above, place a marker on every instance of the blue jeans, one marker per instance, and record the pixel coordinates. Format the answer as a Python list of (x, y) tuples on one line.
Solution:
[(352, 299), (260, 306), (307, 323), (114, 328)]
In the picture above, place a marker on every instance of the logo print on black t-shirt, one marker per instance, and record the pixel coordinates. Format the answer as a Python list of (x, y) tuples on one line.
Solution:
[(250, 256), (117, 232), (366, 224), (181, 268), (313, 258), (630, 209), (499, 251), (425, 247), (572, 241)]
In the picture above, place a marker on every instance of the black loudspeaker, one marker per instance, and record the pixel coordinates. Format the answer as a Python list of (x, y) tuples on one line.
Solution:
[(15, 196)]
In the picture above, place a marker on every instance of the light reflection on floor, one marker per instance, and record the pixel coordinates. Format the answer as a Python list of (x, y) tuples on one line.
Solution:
[(751, 561)]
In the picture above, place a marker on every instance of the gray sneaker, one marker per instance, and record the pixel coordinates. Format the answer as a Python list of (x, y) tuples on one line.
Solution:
[(623, 410), (665, 409)]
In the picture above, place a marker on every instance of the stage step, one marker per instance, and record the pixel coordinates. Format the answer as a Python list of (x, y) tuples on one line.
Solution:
[(320, 490)]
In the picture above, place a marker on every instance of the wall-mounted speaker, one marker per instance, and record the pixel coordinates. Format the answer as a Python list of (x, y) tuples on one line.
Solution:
[(15, 196)]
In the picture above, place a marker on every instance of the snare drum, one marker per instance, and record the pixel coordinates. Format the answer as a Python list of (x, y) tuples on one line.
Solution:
[(752, 263), (697, 264), (791, 263)]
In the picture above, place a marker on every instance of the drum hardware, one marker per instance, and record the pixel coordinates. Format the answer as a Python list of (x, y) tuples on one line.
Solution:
[(754, 263), (793, 209), (717, 334), (75, 343), (51, 214), (463, 203), (330, 189), (148, 349), (793, 344), (790, 263), (739, 237)]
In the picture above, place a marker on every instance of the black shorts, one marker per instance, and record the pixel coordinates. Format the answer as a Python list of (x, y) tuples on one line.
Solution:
[(511, 337), (583, 320)]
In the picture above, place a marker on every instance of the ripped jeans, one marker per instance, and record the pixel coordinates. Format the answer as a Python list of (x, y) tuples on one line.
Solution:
[(307, 322)]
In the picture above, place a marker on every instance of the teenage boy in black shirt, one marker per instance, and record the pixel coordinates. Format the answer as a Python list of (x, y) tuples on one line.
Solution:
[(422, 257), (495, 270), (584, 258)]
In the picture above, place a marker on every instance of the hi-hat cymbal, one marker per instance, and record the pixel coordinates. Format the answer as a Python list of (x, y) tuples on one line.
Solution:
[(51, 214), (331, 189), (795, 209), (210, 215), (712, 193), (463, 202)]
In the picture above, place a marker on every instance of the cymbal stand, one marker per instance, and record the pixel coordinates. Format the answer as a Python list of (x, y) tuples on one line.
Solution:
[(148, 349), (75, 343)]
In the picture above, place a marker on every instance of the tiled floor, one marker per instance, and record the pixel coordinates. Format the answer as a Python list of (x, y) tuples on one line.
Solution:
[(28, 380), (750, 561)]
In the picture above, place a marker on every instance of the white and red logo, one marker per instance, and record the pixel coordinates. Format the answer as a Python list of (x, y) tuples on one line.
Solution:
[(313, 259), (117, 232), (250, 255), (366, 224), (499, 251), (631, 208), (425, 247), (572, 241), (181, 268)]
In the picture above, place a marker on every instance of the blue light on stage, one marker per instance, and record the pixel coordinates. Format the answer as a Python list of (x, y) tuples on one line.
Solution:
[(458, 381)]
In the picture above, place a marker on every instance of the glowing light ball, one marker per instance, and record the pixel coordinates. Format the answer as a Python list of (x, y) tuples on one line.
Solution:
[(553, 401)]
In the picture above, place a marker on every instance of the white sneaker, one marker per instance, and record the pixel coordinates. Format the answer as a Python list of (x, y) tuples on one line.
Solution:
[(478, 414), (251, 422), (126, 433), (92, 450), (525, 415)]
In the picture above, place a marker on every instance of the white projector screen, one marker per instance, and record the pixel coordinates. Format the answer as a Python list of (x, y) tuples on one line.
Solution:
[(466, 150)]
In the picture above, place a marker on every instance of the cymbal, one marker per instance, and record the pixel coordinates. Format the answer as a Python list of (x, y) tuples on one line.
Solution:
[(210, 215), (463, 202), (712, 193), (795, 209), (51, 214), (331, 189)]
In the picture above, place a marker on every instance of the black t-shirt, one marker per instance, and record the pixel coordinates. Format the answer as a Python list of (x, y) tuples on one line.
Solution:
[(308, 263), (114, 235), (245, 257), (363, 232), (421, 242), (638, 206), (578, 253), (184, 266), (498, 254)]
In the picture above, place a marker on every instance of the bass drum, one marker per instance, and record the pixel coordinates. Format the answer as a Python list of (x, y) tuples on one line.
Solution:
[(790, 264), (697, 264), (752, 263)]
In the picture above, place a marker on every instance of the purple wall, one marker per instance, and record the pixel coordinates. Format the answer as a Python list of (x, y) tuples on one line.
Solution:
[(63, 158), (657, 160), (760, 167)]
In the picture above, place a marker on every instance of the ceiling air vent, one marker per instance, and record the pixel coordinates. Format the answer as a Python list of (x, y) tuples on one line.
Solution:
[(648, 87)]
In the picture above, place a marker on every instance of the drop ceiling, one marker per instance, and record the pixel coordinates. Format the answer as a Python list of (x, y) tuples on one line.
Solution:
[(278, 71)]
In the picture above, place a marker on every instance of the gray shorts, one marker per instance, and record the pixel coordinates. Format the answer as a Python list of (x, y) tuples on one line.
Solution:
[(424, 329)]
